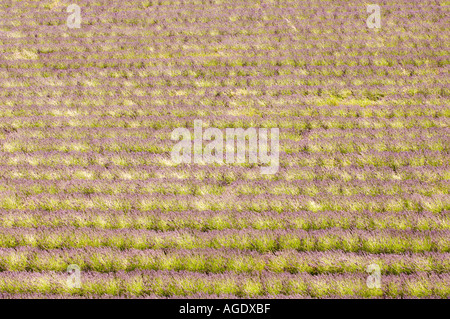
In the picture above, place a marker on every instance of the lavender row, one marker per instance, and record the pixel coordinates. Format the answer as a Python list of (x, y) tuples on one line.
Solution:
[(374, 241), (159, 50), (212, 220), (181, 107), (156, 145), (172, 283), (165, 133), (215, 187), (107, 259), (205, 14), (243, 30), (407, 55), (221, 122), (266, 31), (240, 6), (437, 203), (354, 44), (270, 72), (399, 57), (333, 90), (224, 173), (233, 61), (418, 159), (194, 296), (313, 94)]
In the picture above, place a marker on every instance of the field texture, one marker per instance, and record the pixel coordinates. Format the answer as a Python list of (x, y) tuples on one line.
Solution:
[(86, 177)]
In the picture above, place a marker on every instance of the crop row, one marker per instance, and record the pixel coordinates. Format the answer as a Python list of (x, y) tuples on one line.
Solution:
[(374, 241), (347, 87), (179, 5), (180, 105), (290, 134), (328, 94), (215, 187), (29, 59), (364, 57), (53, 27), (222, 122), (183, 107), (172, 283), (238, 24), (224, 173), (256, 83), (360, 44), (275, 33), (222, 97), (217, 261), (82, 73), (393, 160), (171, 12), (436, 203), (156, 145), (191, 296), (416, 56), (210, 220)]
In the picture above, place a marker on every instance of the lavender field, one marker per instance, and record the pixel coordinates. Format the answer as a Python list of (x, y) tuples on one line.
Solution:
[(87, 178)]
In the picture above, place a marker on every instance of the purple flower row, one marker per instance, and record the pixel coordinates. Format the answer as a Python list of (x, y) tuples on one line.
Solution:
[(374, 241), (210, 220), (183, 283), (107, 259)]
